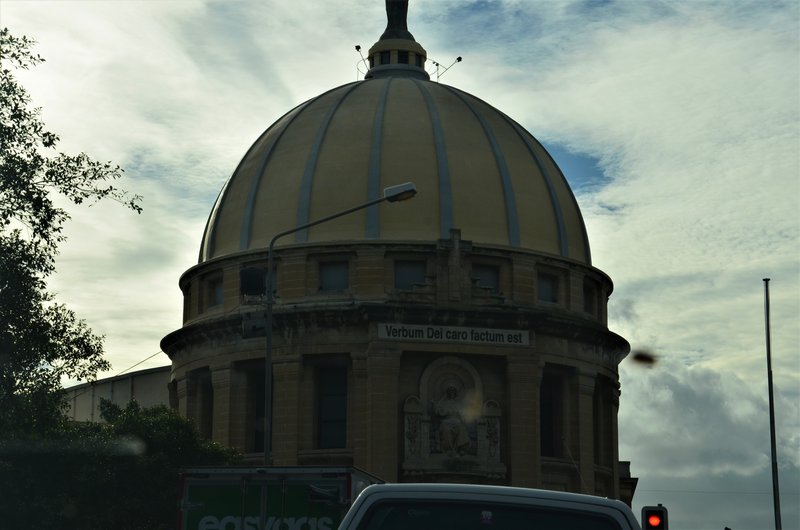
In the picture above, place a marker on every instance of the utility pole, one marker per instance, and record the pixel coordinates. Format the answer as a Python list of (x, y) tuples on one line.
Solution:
[(776, 496)]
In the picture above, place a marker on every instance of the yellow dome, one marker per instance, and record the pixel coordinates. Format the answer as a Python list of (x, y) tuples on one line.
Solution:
[(475, 169)]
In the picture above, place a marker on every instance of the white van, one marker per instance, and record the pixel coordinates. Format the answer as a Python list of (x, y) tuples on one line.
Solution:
[(478, 507)]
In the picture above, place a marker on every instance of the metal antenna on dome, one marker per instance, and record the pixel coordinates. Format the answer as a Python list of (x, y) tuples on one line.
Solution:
[(438, 66), (363, 60)]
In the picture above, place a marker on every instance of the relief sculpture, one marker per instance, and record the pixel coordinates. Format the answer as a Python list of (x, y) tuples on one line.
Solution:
[(453, 437), (449, 428)]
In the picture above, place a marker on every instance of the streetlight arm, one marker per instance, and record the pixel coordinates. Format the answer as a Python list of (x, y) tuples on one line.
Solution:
[(396, 193), (322, 220), (400, 192)]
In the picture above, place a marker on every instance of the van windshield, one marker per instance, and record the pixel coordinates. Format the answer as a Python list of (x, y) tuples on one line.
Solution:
[(431, 515)]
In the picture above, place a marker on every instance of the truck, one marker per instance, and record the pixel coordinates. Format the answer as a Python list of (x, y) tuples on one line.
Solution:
[(480, 507), (268, 498)]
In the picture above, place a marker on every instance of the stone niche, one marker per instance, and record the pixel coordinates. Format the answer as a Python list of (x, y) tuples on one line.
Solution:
[(449, 430)]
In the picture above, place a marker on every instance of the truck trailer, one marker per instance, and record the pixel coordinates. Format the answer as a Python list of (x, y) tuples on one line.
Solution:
[(268, 498)]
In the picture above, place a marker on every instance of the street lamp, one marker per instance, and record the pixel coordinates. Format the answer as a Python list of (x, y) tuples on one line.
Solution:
[(400, 192)]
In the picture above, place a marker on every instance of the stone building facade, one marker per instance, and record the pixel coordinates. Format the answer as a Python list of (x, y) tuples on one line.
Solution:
[(459, 336)]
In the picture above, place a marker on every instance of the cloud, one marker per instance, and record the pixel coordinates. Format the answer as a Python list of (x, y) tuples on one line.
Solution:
[(691, 110), (120, 271), (712, 415), (699, 440)]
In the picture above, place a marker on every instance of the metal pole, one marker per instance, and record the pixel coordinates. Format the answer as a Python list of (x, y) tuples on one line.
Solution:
[(268, 361), (271, 302), (776, 496)]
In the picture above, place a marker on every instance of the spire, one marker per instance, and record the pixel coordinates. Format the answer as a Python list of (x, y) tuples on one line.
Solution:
[(397, 54), (396, 14)]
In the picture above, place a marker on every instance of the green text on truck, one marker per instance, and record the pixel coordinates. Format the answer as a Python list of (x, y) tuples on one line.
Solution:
[(268, 498)]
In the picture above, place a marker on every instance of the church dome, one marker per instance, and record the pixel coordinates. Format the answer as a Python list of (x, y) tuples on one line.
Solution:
[(475, 169), (482, 284)]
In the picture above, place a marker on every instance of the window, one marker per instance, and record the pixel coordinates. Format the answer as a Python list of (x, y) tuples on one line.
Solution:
[(408, 273), (603, 401), (331, 407), (334, 276), (547, 287), (385, 57), (551, 418), (253, 281), (187, 302), (418, 59), (486, 276), (213, 291), (402, 57)]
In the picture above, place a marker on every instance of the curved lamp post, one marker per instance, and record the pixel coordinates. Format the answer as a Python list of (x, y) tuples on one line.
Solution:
[(400, 192)]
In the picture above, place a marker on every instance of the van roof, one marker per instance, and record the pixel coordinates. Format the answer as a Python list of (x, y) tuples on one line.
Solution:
[(412, 489)]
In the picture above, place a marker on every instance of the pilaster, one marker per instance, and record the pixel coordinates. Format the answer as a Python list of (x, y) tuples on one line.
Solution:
[(615, 438), (382, 413), (286, 412), (574, 289), (524, 373), (230, 286), (586, 381), (368, 273), (183, 399), (357, 435)]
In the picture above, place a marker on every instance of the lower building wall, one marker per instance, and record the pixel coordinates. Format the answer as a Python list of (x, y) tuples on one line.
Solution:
[(401, 423)]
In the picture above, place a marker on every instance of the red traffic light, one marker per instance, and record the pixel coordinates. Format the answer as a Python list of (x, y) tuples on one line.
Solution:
[(654, 518)]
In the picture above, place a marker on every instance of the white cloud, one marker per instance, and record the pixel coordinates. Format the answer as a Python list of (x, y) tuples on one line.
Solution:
[(699, 439), (694, 118), (711, 415)]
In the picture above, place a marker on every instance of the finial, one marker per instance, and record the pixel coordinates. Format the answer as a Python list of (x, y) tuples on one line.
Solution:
[(397, 27)]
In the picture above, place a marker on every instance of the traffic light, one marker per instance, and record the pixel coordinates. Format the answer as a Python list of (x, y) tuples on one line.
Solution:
[(654, 518)]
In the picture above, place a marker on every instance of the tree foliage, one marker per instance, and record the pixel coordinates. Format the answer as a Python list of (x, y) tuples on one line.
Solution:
[(41, 342), (122, 474), (56, 474), (30, 172)]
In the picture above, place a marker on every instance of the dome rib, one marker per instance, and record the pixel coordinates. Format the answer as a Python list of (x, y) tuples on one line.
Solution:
[(247, 218), (372, 230), (442, 165), (528, 140), (586, 248), (207, 245), (209, 234), (563, 238), (512, 219), (304, 205), (207, 248)]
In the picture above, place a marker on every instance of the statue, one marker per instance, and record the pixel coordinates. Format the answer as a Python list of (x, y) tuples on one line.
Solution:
[(450, 428), (453, 436), (397, 27)]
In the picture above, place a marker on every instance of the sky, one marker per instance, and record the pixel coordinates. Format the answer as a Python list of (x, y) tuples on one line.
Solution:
[(676, 122)]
